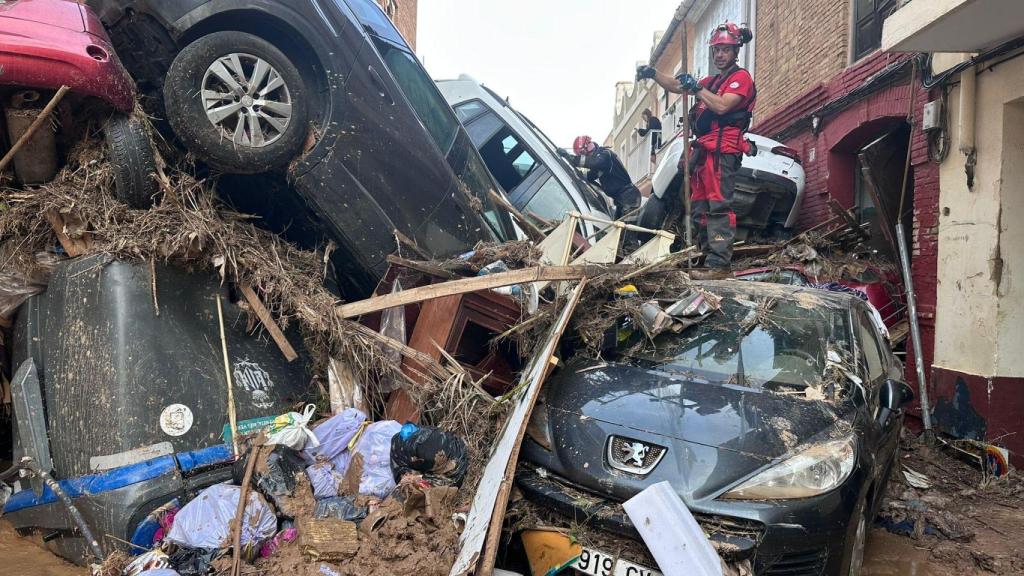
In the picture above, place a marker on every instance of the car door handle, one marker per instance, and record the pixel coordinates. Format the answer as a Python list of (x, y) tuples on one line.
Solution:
[(382, 88)]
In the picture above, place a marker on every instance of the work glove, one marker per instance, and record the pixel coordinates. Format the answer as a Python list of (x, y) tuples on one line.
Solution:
[(645, 72), (688, 82), (564, 153)]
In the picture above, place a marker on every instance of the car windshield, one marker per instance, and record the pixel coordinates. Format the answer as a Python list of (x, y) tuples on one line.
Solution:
[(758, 342), (589, 194)]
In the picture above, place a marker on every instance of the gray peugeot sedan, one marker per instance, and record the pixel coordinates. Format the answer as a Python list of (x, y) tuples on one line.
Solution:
[(774, 411)]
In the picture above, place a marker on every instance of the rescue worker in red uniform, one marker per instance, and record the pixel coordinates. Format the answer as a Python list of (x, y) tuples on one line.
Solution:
[(719, 120)]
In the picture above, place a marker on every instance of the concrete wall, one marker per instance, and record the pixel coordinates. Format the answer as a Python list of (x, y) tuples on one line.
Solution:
[(981, 254), (800, 43)]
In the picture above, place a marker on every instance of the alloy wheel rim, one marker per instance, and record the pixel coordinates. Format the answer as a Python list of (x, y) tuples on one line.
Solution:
[(246, 99)]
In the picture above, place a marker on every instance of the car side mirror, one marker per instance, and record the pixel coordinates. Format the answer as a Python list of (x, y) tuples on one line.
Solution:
[(893, 395)]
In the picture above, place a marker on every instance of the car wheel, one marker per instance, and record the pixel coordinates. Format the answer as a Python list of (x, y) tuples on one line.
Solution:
[(131, 155), (237, 102), (860, 540)]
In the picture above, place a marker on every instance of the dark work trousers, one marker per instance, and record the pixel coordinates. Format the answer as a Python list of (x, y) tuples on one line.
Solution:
[(626, 201), (712, 189)]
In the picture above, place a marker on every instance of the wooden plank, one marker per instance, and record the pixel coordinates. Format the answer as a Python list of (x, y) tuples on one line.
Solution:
[(72, 246), (478, 543), (842, 213), (434, 325), (268, 322), (529, 227), (414, 295), (422, 267), (888, 224)]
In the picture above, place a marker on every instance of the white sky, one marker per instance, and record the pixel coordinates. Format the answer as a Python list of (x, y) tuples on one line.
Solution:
[(556, 60)]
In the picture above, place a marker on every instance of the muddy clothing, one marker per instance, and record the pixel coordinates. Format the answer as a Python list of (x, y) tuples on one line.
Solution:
[(605, 168), (714, 160)]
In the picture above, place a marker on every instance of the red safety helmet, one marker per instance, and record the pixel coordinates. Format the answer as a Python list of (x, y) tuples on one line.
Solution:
[(582, 145), (729, 34)]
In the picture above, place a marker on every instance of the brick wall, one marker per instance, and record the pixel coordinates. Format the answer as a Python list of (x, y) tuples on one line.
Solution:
[(403, 14), (830, 161), (799, 43)]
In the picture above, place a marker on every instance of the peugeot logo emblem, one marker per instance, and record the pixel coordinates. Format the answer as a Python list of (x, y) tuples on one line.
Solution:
[(635, 451)]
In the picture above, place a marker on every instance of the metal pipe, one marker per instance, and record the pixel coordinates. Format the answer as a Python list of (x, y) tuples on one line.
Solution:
[(94, 545), (968, 91), (915, 331)]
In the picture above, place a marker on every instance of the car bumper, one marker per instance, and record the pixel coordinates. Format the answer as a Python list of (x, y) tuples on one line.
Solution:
[(36, 55), (805, 538), (116, 501)]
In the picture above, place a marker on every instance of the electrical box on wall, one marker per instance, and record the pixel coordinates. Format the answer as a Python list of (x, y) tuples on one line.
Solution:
[(931, 116)]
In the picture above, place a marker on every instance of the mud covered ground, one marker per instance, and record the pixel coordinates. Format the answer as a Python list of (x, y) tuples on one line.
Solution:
[(963, 524)]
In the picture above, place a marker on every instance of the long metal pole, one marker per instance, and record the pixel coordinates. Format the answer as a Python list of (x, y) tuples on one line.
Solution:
[(687, 208), (915, 330)]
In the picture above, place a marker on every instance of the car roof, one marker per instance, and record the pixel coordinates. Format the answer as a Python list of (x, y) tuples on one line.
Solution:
[(756, 289)]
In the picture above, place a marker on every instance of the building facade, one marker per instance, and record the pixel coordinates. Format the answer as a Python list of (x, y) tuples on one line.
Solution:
[(403, 14), (631, 99), (976, 135)]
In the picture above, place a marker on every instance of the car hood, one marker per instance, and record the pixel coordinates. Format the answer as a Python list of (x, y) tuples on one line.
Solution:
[(67, 15), (714, 434)]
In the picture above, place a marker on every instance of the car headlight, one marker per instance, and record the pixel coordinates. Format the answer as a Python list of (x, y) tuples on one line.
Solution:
[(816, 470)]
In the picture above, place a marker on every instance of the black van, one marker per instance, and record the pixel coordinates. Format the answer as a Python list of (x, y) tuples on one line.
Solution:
[(331, 91)]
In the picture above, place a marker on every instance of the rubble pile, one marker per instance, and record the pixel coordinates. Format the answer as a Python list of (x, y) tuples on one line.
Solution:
[(955, 507), (328, 476)]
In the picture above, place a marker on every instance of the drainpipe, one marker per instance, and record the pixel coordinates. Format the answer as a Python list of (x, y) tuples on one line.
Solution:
[(965, 125)]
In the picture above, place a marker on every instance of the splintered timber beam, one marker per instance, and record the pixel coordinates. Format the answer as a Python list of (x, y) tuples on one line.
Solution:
[(462, 286), (268, 322), (478, 543)]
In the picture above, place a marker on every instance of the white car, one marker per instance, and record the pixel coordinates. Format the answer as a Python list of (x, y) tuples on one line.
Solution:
[(521, 158), (769, 189)]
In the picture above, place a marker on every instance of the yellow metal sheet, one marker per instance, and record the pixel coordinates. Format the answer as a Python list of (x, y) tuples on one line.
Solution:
[(549, 552)]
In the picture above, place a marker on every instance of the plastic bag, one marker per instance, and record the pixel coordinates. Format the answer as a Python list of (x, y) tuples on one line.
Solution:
[(277, 478), (282, 537), (291, 431), (159, 572), (206, 520), (323, 480), (341, 508), (415, 450), (334, 435), (375, 446), (194, 561)]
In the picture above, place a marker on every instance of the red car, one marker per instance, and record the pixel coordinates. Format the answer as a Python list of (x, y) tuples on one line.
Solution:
[(46, 44), (883, 290)]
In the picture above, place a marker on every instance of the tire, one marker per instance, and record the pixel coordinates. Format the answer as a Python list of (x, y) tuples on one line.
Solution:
[(224, 63), (130, 152)]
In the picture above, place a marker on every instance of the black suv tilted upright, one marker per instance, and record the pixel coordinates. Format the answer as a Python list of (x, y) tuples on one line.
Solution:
[(252, 85)]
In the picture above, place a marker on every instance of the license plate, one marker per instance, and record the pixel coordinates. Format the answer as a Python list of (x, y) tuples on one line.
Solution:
[(598, 563)]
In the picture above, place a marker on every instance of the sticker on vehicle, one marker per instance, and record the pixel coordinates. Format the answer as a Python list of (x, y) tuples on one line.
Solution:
[(256, 381), (176, 420), (247, 427)]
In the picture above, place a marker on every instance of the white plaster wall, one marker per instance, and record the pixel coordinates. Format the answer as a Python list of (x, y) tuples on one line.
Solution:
[(979, 327), (1010, 315)]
